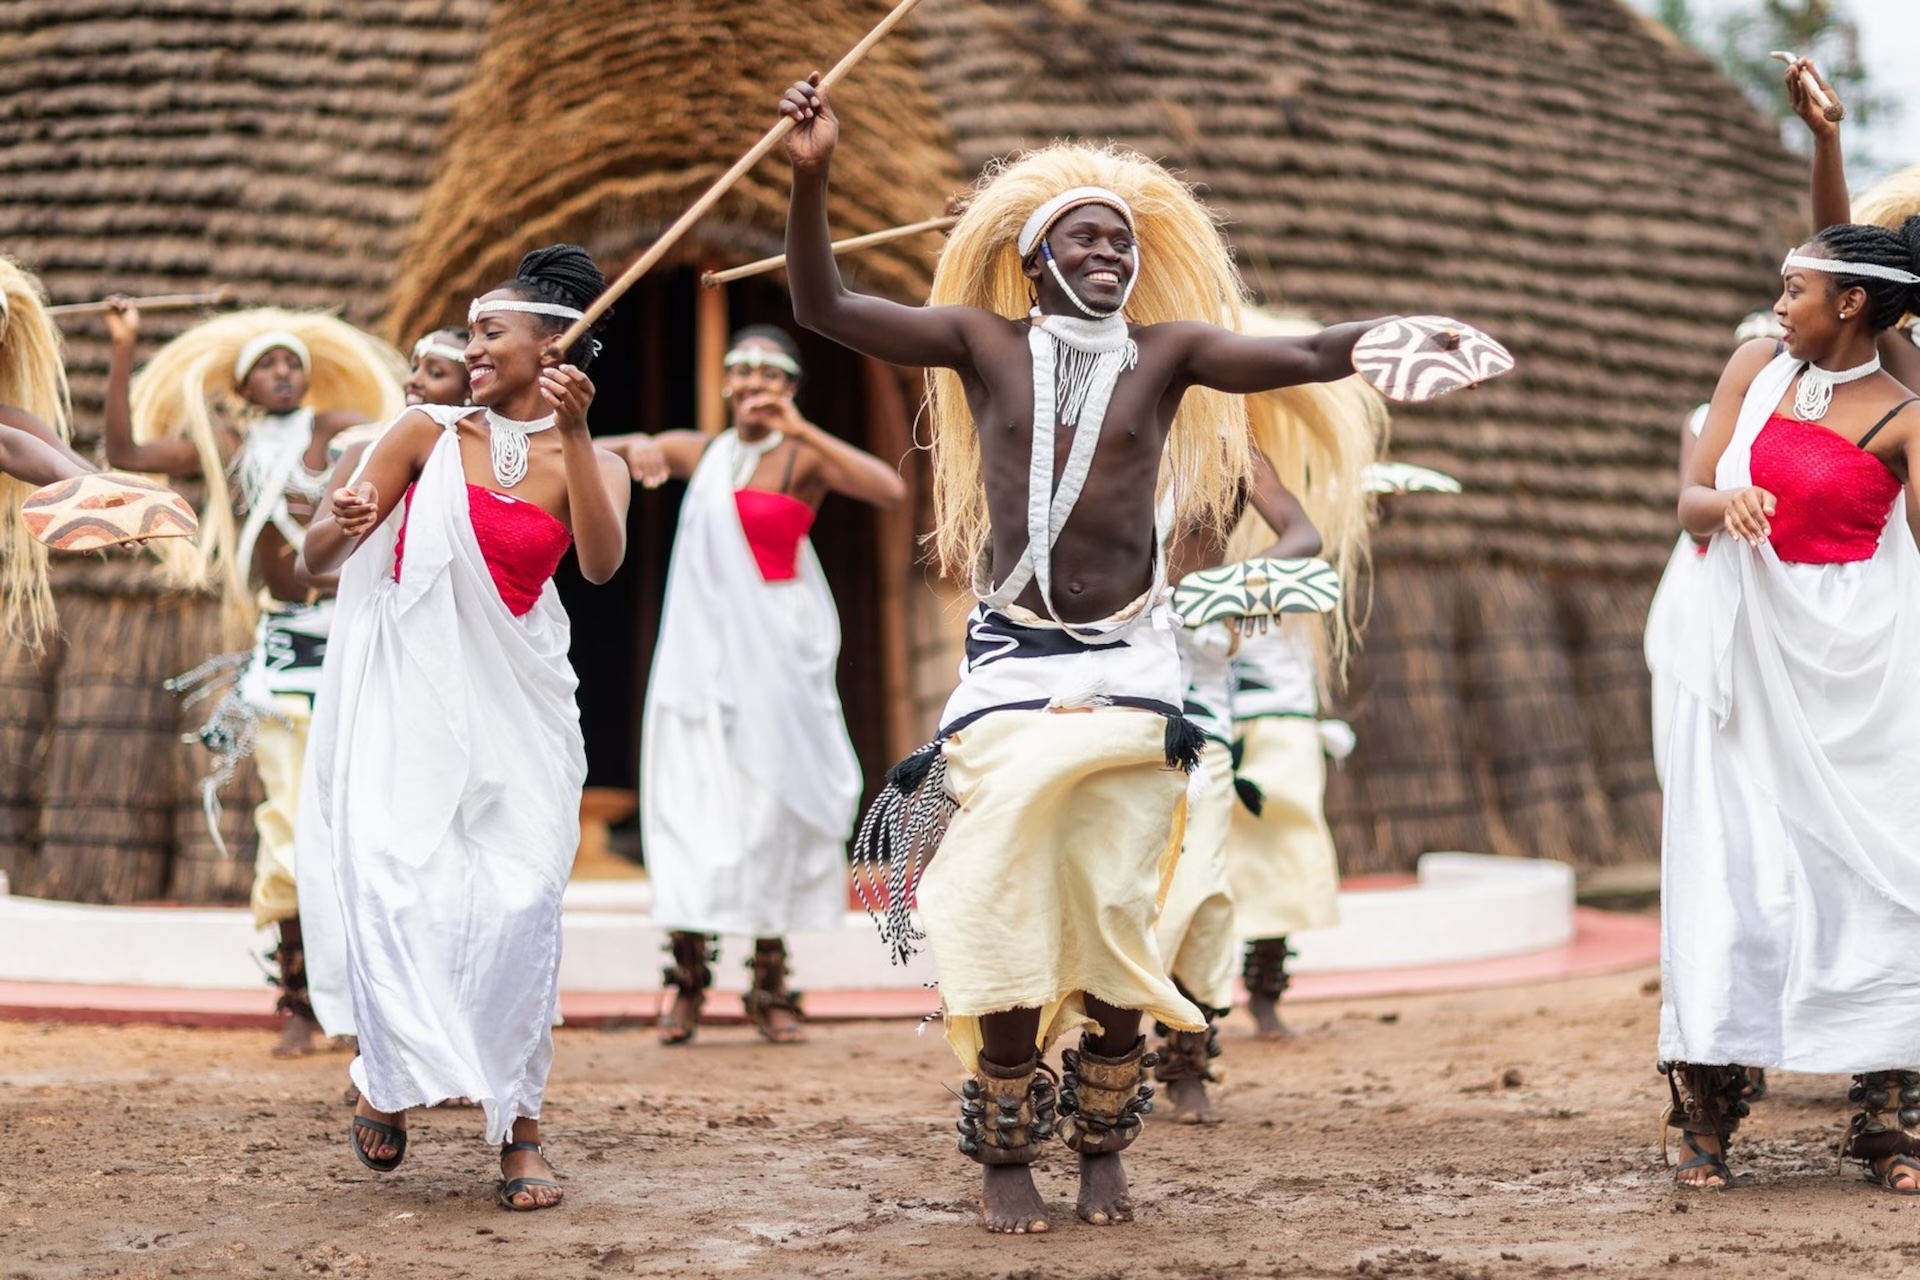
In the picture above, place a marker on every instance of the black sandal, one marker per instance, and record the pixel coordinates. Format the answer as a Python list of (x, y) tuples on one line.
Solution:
[(508, 1190), (1714, 1162), (397, 1135)]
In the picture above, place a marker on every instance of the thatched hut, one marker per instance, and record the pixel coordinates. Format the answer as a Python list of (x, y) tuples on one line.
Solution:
[(1556, 170)]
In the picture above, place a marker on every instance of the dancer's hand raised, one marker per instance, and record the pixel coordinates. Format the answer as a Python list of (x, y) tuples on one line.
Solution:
[(123, 320), (355, 508), (816, 129), (1810, 112), (646, 461), (569, 391)]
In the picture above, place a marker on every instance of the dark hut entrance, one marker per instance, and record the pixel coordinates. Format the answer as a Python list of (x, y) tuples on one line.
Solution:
[(647, 379)]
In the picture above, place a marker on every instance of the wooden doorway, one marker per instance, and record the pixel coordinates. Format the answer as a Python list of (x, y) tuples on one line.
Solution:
[(645, 380)]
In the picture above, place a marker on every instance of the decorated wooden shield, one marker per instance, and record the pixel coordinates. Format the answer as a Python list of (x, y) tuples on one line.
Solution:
[(1419, 358), (1404, 477), (108, 509), (1259, 588)]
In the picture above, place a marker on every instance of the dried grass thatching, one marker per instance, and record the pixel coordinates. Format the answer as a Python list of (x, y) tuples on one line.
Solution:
[(188, 388), (33, 377), (600, 121)]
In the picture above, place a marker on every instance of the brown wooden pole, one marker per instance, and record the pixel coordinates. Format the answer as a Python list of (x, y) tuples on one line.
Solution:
[(741, 167), (709, 360), (853, 244), (156, 302), (890, 438)]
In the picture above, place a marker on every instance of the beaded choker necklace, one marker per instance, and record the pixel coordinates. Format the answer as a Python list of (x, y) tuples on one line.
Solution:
[(508, 446), (1815, 394)]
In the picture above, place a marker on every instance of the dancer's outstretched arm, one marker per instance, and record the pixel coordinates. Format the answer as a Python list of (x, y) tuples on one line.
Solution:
[(877, 327), (1242, 365), (357, 509), (25, 456), (173, 456)]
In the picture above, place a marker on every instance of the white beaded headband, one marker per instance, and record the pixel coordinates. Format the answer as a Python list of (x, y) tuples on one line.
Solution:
[(482, 306), (757, 358), (1835, 267), (273, 340), (445, 350), (1047, 214)]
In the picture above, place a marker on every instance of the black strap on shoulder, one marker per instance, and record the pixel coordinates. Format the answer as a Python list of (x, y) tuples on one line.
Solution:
[(786, 476), (1874, 430)]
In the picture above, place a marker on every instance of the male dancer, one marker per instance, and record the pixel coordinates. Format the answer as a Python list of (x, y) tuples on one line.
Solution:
[(277, 463), (1196, 926), (1040, 906)]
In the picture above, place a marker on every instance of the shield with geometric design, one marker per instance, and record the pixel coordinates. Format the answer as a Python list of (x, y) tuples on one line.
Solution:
[(1404, 477), (1265, 587), (1419, 358), (106, 509)]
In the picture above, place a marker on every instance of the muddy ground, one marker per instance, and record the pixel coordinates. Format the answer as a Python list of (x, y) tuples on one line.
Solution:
[(1499, 1134)]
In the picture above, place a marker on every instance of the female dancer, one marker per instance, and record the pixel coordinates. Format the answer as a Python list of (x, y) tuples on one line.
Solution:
[(1789, 885), (449, 758), (748, 783)]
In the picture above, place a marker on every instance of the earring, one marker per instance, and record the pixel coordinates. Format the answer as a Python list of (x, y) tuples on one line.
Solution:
[(726, 393)]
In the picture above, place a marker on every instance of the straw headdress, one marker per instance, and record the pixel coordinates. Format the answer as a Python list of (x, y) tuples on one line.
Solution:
[(1320, 438), (1186, 273), (33, 377), (188, 386), (1890, 201)]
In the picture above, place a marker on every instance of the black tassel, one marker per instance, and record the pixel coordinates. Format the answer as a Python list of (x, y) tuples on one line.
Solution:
[(1250, 795), (906, 776), (902, 828), (1184, 744)]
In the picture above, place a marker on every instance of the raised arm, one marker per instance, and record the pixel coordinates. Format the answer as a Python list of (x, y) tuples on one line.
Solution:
[(356, 509), (1294, 531), (877, 327), (1705, 509), (174, 456), (1831, 203), (843, 469), (1210, 356)]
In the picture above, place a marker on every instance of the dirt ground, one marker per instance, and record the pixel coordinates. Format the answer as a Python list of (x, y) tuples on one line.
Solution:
[(1497, 1134)]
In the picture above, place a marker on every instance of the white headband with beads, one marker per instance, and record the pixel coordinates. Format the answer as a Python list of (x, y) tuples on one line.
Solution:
[(445, 350), (1043, 218), (274, 340), (1835, 267), (757, 358), (482, 306)]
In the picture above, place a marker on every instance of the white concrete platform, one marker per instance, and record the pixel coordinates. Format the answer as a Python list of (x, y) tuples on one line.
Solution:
[(1463, 907)]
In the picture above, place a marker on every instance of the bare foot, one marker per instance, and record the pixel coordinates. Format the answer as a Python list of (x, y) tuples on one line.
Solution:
[(375, 1144), (1266, 1018), (1898, 1174), (522, 1158), (1701, 1167), (1009, 1202), (297, 1037), (1188, 1102), (1103, 1191)]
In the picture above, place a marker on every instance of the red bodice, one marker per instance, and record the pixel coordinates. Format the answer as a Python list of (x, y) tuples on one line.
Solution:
[(774, 524), (521, 542), (1834, 497)]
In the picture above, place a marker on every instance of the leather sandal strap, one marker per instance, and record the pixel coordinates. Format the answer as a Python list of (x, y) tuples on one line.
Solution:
[(508, 1148)]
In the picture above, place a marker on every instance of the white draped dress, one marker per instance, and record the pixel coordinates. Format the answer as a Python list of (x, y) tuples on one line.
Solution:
[(447, 769), (1791, 851), (748, 782), (1669, 617)]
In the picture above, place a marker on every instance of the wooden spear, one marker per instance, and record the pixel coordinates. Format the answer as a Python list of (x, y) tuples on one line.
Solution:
[(853, 244), (647, 260), (155, 302)]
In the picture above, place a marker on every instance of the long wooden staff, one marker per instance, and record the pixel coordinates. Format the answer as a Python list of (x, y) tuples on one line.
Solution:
[(578, 328), (853, 244), (155, 302)]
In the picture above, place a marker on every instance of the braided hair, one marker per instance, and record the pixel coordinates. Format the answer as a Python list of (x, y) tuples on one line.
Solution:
[(1887, 300), (563, 274)]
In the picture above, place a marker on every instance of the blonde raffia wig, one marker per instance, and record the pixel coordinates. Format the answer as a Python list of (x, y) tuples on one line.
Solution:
[(1890, 201), (1320, 438), (1186, 273), (188, 391), (33, 377)]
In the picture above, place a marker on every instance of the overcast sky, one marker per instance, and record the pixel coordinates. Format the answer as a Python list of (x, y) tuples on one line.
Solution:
[(1890, 37)]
